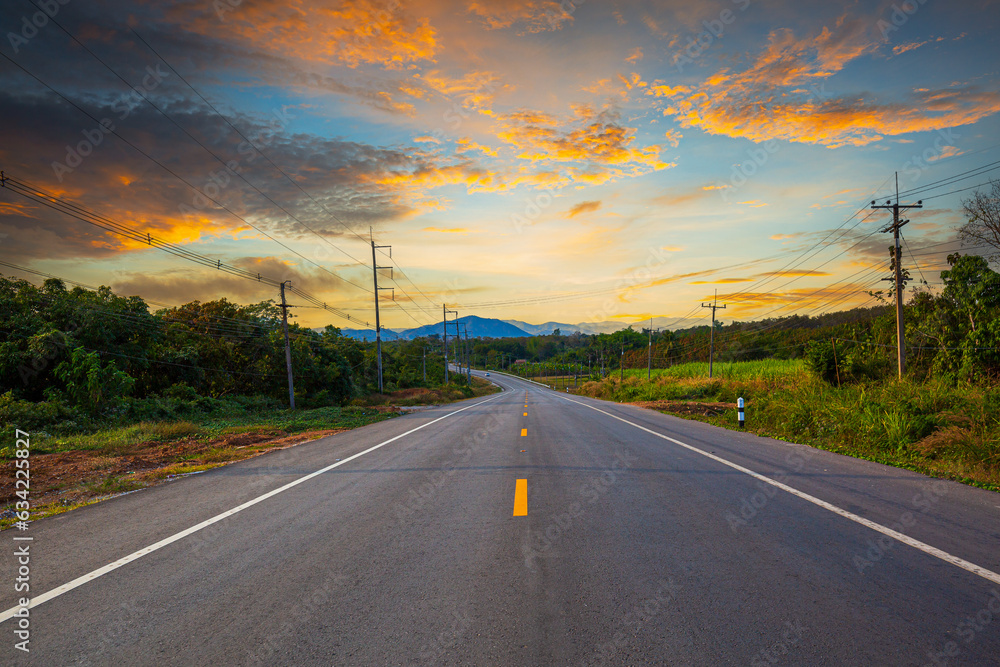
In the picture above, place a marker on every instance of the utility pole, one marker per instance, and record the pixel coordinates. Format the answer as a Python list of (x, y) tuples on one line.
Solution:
[(378, 327), (898, 273), (468, 355), (621, 364), (425, 364), (711, 345), (445, 311), (649, 353), (288, 347)]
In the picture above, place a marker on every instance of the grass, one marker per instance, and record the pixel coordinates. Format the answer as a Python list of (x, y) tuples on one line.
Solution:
[(933, 427), (72, 469)]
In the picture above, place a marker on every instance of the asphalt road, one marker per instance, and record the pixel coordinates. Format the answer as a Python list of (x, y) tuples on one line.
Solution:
[(644, 539)]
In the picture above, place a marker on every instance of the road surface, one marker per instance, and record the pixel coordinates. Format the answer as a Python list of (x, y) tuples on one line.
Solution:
[(631, 538)]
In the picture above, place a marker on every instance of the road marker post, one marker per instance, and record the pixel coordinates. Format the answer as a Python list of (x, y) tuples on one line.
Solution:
[(739, 408)]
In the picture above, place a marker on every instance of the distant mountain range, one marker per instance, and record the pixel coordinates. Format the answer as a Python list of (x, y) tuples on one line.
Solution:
[(487, 327), (479, 327)]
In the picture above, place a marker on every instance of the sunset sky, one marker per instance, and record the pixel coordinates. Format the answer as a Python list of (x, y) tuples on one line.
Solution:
[(525, 159)]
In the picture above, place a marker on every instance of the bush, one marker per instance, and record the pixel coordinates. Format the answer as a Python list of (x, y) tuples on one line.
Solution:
[(820, 360)]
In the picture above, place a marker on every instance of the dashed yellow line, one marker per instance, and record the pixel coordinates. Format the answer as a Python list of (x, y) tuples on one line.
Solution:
[(521, 498), (525, 414), (524, 431)]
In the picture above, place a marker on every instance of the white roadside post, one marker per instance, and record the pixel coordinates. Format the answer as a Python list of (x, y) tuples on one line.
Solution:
[(739, 407)]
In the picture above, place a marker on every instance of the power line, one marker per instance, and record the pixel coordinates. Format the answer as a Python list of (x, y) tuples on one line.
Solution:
[(169, 170), (84, 215), (288, 178)]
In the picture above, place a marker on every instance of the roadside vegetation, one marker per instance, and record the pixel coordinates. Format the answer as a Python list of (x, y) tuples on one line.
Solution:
[(829, 381), (932, 426), (77, 460), (116, 397)]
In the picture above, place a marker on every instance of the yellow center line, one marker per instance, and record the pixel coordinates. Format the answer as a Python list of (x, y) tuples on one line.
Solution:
[(525, 414), (524, 431), (521, 498)]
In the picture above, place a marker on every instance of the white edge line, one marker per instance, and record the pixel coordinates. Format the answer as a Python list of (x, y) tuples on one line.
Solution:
[(905, 539), (511, 375), (90, 576)]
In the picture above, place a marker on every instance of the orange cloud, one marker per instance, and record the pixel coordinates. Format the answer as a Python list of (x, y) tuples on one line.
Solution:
[(767, 100), (600, 139), (448, 230), (903, 48), (533, 15), (583, 207), (721, 281), (465, 144), (351, 33), (795, 273), (474, 90), (635, 57)]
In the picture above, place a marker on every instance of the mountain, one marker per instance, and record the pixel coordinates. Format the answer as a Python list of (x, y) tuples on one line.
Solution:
[(566, 329), (488, 327), (368, 334), (479, 327)]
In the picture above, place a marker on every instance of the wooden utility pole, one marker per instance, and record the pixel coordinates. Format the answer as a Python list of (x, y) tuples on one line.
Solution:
[(444, 315), (425, 364), (711, 345), (468, 354), (378, 326), (288, 347), (898, 273)]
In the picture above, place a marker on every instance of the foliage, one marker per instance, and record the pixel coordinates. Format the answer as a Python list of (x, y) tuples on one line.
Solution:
[(90, 384), (983, 226), (931, 425), (89, 350)]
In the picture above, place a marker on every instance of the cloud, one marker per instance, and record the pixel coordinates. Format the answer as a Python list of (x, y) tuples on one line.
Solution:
[(903, 48), (465, 144), (635, 57), (348, 181), (946, 152), (784, 237), (474, 90), (721, 281), (798, 273), (747, 303), (781, 95), (531, 15), (448, 230), (182, 285), (350, 33), (594, 138), (583, 207)]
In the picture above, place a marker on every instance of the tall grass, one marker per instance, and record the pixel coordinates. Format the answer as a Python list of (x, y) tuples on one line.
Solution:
[(765, 369), (931, 426)]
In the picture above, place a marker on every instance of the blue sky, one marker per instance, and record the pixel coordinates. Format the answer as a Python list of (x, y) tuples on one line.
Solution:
[(528, 160)]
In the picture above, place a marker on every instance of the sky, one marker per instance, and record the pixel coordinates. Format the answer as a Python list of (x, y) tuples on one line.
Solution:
[(527, 159)]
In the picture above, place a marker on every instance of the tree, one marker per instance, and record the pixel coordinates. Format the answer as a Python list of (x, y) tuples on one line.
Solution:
[(91, 384), (983, 227)]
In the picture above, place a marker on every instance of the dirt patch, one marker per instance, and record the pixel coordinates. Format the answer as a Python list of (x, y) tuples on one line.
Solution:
[(688, 407), (71, 478)]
